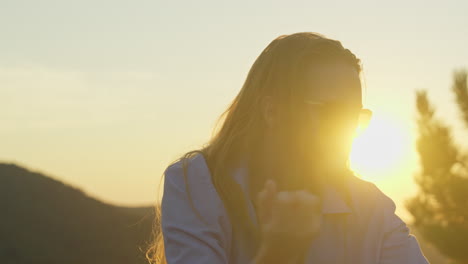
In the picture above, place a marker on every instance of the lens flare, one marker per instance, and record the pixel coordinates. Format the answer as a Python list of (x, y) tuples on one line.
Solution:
[(380, 147)]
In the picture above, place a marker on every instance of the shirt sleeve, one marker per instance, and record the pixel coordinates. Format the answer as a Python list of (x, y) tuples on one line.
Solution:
[(198, 232), (398, 245)]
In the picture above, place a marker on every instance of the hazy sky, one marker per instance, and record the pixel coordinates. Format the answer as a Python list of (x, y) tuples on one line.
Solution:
[(104, 94)]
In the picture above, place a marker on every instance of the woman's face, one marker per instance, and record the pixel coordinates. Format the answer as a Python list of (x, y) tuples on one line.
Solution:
[(333, 100)]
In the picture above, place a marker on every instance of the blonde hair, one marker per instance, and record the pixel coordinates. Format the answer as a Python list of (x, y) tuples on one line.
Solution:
[(279, 72)]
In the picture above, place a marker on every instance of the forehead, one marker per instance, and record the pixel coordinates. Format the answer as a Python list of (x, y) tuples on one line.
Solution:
[(333, 81)]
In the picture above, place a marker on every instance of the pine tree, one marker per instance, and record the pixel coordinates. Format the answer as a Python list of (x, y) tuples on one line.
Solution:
[(440, 209)]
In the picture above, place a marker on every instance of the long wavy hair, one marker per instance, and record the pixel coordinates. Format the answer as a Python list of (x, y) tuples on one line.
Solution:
[(279, 72)]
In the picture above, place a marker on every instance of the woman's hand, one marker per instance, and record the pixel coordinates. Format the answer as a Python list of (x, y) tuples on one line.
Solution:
[(289, 221)]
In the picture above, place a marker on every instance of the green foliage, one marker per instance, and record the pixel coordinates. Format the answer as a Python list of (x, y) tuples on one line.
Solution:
[(440, 209)]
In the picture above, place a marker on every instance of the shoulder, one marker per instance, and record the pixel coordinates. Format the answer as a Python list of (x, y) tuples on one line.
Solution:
[(371, 203), (381, 227), (194, 222), (363, 190), (190, 172), (188, 190)]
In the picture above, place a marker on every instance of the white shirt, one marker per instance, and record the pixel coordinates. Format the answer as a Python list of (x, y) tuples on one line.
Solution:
[(368, 233)]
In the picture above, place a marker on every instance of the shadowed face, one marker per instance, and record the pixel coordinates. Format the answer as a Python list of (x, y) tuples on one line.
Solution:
[(333, 102), (322, 130)]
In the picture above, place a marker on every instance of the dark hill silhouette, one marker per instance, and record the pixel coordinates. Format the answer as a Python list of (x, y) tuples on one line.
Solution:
[(43, 220)]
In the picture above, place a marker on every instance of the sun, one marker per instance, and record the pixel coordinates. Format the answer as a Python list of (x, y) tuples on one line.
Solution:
[(379, 148)]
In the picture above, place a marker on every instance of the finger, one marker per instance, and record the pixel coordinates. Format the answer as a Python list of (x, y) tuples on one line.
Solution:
[(310, 209), (266, 193), (307, 203), (271, 191), (284, 212), (265, 199)]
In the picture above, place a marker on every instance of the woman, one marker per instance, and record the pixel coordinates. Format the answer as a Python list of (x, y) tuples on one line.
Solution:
[(273, 185)]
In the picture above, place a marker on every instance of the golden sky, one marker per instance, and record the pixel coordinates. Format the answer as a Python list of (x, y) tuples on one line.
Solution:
[(104, 94)]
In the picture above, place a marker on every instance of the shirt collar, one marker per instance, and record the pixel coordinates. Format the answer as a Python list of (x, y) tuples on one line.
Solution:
[(333, 202)]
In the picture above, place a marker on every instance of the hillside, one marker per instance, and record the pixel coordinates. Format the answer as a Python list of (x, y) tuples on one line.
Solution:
[(46, 221)]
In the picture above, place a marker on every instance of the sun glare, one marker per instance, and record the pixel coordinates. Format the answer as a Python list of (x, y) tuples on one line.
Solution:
[(379, 148)]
